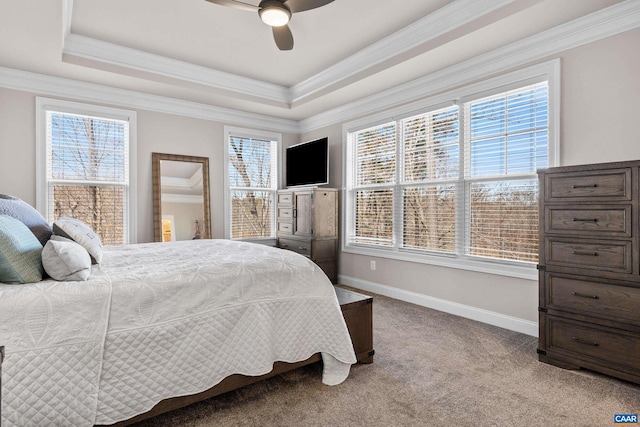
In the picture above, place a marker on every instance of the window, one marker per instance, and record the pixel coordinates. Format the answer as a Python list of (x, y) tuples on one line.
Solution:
[(86, 156), (507, 140), (452, 184), (252, 178)]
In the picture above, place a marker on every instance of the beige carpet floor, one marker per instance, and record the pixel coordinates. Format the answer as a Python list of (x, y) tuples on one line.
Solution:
[(430, 369)]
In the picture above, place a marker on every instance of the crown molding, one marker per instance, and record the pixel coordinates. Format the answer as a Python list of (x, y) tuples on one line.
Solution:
[(112, 57), (616, 19), (613, 20), (67, 13), (442, 21), (45, 85), (181, 183)]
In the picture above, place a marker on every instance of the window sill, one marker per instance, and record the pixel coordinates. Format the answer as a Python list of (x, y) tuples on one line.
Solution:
[(480, 265)]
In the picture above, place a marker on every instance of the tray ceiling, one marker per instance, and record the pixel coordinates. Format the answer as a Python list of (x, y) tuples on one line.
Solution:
[(197, 51)]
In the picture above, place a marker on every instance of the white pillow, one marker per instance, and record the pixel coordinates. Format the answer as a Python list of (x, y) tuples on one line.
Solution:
[(61, 239), (80, 233), (66, 260)]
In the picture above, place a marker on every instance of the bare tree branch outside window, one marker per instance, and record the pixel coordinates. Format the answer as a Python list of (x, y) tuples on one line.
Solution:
[(87, 172), (252, 178)]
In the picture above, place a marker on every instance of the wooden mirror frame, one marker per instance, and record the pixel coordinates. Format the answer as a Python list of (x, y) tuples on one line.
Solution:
[(156, 158)]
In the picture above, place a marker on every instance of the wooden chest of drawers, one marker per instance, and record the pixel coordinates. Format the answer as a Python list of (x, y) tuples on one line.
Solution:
[(1, 360), (589, 268), (308, 224)]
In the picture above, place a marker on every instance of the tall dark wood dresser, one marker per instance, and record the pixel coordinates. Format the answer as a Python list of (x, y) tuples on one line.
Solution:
[(1, 360), (589, 269)]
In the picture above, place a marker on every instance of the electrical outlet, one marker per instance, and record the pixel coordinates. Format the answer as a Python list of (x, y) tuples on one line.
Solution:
[(373, 265)]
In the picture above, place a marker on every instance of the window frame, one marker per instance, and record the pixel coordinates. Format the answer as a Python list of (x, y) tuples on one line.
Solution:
[(43, 105), (254, 134), (547, 71)]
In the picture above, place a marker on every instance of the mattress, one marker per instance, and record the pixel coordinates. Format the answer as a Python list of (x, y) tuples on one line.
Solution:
[(161, 320)]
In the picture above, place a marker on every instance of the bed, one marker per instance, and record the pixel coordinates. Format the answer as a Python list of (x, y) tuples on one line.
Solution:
[(159, 321)]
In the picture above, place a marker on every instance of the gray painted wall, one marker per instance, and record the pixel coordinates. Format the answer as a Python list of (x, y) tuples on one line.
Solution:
[(600, 99), (600, 122)]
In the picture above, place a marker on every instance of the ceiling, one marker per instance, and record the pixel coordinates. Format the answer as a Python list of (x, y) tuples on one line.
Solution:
[(201, 52), (179, 177)]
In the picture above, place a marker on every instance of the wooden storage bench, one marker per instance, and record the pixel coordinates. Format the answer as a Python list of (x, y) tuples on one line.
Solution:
[(357, 310)]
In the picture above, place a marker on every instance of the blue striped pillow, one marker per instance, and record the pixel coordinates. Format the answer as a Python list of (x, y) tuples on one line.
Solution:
[(20, 253)]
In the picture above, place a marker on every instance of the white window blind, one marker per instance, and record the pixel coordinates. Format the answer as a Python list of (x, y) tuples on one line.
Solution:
[(458, 181), (431, 158), (375, 159), (87, 172), (431, 146), (376, 155), (429, 220), (253, 182), (507, 140), (374, 217)]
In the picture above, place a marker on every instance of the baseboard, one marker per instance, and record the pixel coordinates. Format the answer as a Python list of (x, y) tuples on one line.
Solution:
[(490, 317)]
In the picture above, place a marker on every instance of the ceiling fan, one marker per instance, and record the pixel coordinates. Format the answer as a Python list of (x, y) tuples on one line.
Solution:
[(276, 13)]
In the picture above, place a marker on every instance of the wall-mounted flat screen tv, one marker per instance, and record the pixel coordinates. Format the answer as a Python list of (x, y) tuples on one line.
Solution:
[(308, 163)]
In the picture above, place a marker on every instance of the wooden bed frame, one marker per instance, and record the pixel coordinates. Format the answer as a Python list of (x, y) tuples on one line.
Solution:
[(357, 311), (230, 383)]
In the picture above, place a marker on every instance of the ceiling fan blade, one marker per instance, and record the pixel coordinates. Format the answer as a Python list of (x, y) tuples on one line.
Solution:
[(283, 37), (236, 4), (302, 5)]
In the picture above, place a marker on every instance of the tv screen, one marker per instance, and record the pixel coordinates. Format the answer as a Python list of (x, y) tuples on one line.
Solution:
[(308, 163)]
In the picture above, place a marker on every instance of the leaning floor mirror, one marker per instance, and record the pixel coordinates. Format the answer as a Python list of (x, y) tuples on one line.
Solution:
[(181, 208)]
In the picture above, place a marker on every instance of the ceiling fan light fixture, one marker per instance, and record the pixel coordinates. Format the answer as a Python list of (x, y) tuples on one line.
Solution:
[(274, 13)]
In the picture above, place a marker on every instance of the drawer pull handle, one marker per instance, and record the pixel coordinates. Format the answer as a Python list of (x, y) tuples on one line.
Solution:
[(302, 248), (282, 245), (585, 253), (584, 219), (577, 294), (581, 341), (586, 186)]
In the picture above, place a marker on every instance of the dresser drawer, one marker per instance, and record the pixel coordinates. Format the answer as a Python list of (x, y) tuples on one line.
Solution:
[(285, 227), (285, 213), (611, 184), (614, 221), (603, 344), (285, 198), (592, 298), (601, 255), (299, 246)]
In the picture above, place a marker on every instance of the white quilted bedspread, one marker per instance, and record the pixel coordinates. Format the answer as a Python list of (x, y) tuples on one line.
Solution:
[(161, 320)]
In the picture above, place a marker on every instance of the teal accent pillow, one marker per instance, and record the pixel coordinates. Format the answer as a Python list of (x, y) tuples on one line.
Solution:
[(20, 253)]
